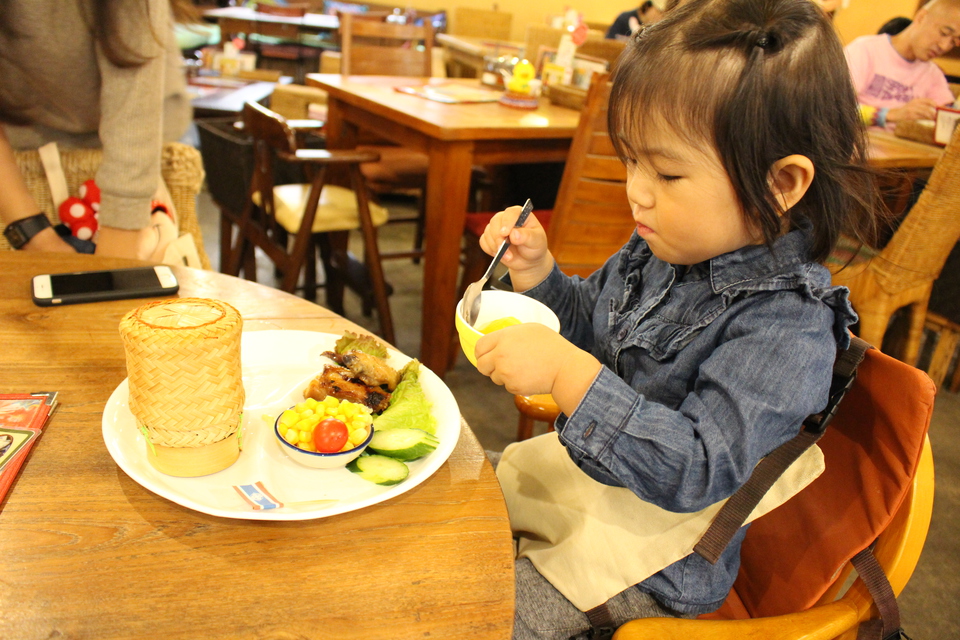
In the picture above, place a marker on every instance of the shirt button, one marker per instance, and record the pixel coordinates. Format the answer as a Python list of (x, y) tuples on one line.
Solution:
[(623, 334)]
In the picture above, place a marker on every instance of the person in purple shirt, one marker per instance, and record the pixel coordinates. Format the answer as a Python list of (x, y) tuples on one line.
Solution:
[(895, 76)]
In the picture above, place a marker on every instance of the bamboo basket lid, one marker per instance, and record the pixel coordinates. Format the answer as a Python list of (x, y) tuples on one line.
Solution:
[(184, 376)]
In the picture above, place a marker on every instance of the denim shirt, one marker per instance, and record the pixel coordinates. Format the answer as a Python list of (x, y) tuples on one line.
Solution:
[(706, 369)]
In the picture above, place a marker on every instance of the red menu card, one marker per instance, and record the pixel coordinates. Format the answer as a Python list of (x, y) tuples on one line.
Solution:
[(22, 419)]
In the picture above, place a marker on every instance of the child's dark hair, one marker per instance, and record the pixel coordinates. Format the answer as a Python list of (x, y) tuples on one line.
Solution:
[(758, 80)]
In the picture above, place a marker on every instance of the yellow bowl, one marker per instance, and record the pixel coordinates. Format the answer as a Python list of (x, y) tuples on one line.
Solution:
[(496, 304)]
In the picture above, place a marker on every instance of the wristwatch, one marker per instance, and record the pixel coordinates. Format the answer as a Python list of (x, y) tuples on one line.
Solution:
[(19, 232)]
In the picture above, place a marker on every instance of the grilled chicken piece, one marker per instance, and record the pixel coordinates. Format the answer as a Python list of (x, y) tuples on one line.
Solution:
[(341, 384), (369, 369)]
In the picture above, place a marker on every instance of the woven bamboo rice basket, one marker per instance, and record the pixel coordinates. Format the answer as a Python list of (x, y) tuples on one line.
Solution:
[(186, 391)]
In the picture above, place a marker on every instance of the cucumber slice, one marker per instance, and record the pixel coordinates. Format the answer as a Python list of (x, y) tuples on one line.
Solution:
[(379, 469), (403, 444)]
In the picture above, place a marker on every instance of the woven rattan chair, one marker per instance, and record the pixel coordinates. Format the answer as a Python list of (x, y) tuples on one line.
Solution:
[(181, 167), (290, 222), (903, 272)]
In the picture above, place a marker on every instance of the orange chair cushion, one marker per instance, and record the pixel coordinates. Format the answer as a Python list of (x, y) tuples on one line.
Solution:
[(793, 555), (336, 211)]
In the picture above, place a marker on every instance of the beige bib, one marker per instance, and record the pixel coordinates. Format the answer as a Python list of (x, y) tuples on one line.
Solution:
[(591, 541)]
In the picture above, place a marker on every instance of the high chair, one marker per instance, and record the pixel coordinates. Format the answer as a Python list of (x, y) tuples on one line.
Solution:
[(903, 272), (318, 215), (877, 490)]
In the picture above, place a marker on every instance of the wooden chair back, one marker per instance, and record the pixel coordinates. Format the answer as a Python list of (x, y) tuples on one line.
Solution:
[(604, 49), (481, 23), (372, 46), (591, 217), (543, 35), (270, 134), (292, 242)]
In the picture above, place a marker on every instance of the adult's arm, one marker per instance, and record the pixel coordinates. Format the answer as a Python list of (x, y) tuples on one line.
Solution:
[(131, 125), (16, 202)]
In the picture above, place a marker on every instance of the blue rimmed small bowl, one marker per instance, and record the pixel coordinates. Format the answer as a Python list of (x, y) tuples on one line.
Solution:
[(319, 460)]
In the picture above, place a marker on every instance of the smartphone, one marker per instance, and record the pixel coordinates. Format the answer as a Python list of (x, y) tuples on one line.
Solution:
[(112, 284)]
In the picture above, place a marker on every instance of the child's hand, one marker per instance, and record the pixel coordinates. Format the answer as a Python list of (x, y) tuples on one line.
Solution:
[(527, 257), (531, 358)]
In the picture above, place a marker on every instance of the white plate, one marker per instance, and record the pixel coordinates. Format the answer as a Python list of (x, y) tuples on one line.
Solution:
[(277, 365)]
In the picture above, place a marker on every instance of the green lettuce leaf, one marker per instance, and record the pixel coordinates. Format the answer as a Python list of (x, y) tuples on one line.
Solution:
[(368, 344), (409, 407)]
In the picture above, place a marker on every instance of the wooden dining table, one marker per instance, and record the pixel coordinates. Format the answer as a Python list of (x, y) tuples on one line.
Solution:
[(90, 553), (455, 137), (887, 151), (233, 20)]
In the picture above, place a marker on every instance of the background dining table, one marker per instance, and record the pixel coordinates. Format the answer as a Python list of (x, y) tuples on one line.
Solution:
[(467, 53), (888, 151), (90, 553)]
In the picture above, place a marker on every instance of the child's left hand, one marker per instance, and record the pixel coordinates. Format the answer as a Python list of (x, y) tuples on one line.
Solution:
[(531, 358)]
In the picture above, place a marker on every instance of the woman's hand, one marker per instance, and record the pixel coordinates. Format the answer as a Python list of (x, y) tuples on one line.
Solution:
[(527, 257), (48, 240), (531, 358)]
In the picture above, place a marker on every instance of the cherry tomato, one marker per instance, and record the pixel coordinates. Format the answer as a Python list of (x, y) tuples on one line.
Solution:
[(330, 435)]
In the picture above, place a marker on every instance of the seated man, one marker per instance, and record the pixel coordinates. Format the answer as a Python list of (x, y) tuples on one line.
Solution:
[(895, 77), (628, 22)]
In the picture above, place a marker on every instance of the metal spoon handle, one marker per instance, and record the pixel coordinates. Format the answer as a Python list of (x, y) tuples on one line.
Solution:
[(524, 214)]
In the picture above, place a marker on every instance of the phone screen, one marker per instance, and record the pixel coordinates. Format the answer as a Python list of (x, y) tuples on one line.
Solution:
[(66, 284)]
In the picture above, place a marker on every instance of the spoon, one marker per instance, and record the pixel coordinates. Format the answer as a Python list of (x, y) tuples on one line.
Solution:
[(471, 297)]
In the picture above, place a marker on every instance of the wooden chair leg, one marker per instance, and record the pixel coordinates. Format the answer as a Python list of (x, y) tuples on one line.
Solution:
[(226, 239), (371, 255), (420, 224), (918, 316), (524, 428), (955, 379), (335, 262), (310, 272), (943, 355), (538, 407)]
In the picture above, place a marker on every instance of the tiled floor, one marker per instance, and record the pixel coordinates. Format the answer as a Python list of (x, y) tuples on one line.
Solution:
[(930, 603)]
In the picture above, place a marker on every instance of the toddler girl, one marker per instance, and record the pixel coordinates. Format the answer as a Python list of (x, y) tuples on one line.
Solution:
[(707, 339)]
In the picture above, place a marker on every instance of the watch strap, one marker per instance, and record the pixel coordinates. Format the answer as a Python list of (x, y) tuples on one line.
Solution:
[(19, 232)]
